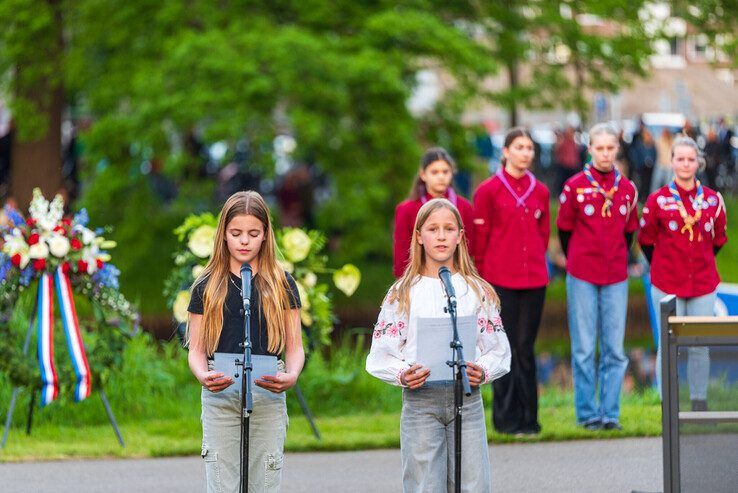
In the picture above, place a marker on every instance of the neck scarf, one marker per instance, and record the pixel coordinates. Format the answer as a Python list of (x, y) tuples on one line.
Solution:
[(609, 194), (520, 200), (689, 221)]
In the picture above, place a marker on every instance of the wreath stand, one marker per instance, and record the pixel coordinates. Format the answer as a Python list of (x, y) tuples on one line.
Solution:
[(34, 392)]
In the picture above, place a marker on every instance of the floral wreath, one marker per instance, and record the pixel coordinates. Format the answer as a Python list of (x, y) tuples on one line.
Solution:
[(299, 253), (44, 255)]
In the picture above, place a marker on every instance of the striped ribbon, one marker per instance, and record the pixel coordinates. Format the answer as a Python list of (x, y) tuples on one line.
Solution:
[(71, 331)]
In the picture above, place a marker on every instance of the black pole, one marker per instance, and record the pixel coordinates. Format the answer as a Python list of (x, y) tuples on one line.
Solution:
[(31, 405), (306, 411), (111, 416), (461, 382), (247, 404)]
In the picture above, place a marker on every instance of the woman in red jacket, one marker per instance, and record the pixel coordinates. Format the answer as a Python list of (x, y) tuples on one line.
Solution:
[(512, 227), (433, 181), (682, 228)]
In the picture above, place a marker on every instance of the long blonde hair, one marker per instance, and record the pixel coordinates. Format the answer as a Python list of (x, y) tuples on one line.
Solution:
[(271, 281), (400, 291)]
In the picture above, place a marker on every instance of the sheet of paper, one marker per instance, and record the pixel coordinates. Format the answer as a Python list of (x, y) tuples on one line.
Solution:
[(434, 339), (262, 365)]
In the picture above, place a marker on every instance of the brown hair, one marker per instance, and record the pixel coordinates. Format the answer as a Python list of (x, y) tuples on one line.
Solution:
[(513, 134), (431, 156), (271, 281), (400, 291)]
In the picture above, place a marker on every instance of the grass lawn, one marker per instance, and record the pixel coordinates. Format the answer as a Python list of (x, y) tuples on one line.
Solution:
[(641, 416)]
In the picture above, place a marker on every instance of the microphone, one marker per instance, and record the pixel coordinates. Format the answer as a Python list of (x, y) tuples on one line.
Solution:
[(445, 276), (246, 284)]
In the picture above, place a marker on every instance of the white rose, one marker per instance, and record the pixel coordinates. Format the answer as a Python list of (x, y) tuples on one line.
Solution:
[(39, 250), (310, 279), (296, 244), (201, 241), (58, 245), (197, 270), (179, 308)]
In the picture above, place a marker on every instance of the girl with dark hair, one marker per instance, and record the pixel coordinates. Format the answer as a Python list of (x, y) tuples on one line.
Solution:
[(682, 229), (433, 180), (244, 235), (427, 421), (511, 217)]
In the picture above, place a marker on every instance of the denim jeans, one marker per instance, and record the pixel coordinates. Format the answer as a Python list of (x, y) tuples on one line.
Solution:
[(698, 357), (597, 314), (427, 441), (221, 435)]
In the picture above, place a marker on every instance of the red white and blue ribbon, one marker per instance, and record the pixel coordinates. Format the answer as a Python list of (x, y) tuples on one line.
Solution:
[(45, 318), (74, 336), (49, 378)]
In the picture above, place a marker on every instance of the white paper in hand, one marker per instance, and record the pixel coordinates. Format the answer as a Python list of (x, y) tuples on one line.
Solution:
[(434, 339), (262, 365)]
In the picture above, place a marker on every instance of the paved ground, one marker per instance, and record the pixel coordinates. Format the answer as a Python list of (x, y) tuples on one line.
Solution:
[(623, 465)]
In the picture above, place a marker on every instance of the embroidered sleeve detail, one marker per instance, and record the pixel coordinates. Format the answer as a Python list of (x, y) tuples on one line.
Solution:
[(389, 329)]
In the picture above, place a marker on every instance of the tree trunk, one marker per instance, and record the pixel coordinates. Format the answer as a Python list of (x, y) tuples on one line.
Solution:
[(38, 163), (512, 73)]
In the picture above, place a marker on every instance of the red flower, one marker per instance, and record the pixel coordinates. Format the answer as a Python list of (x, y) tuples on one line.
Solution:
[(30, 222), (59, 229), (65, 267), (16, 259), (99, 263), (82, 266), (39, 263), (66, 221), (75, 244), (33, 239)]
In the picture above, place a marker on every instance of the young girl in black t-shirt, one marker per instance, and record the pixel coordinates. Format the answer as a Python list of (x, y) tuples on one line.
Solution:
[(244, 235)]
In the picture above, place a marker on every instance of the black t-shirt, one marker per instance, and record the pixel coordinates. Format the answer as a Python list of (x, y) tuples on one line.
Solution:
[(233, 317)]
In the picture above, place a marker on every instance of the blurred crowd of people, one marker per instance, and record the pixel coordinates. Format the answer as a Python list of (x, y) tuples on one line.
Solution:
[(644, 155)]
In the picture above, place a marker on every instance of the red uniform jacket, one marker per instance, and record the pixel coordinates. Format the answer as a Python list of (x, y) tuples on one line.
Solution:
[(405, 215), (597, 250), (511, 240), (679, 266)]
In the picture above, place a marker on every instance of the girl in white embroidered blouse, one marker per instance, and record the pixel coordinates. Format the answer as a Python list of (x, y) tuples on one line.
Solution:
[(426, 424)]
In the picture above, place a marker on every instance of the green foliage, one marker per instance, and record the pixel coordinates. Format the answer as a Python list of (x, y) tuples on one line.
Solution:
[(157, 403)]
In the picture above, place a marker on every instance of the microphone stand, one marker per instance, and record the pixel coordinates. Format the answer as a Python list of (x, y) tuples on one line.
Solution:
[(247, 402), (461, 381)]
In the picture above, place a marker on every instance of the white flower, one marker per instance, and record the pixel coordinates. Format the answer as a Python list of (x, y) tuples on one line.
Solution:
[(179, 308), (39, 250), (47, 215), (15, 244), (88, 236), (347, 279), (310, 279), (201, 241), (197, 270), (296, 245), (58, 245)]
